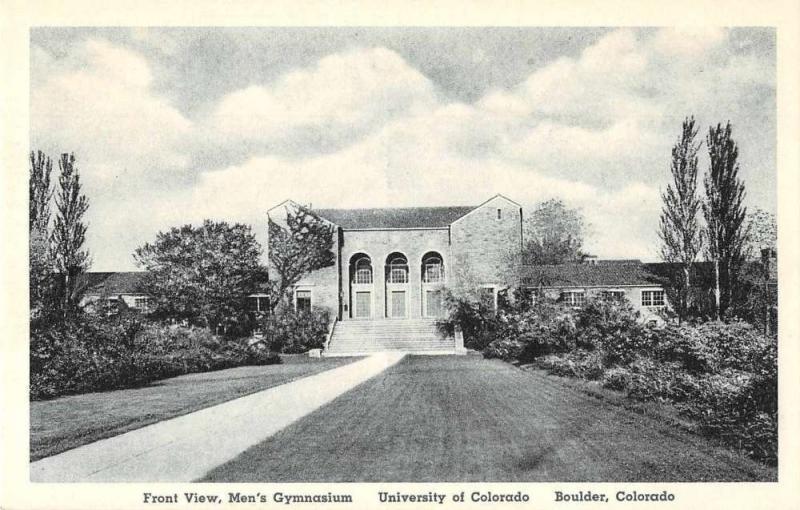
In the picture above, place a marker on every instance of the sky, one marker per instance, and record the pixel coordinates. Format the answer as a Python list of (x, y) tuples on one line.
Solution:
[(173, 125)]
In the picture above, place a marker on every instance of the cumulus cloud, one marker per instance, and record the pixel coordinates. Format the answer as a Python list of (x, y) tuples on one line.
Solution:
[(99, 104), (378, 171), (337, 100), (365, 128)]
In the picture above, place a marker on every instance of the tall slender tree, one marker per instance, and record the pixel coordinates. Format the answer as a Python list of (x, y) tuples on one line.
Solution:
[(39, 261), (41, 191), (725, 214), (69, 229), (680, 231)]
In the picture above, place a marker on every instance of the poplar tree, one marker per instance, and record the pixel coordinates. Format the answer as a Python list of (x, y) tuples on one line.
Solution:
[(69, 229), (680, 231), (39, 261), (725, 214), (40, 191)]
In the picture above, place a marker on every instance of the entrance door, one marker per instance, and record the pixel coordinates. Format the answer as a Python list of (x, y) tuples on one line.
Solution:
[(398, 303), (363, 305), (433, 303)]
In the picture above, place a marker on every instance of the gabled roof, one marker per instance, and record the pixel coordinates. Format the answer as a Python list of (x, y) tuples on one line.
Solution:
[(111, 284), (404, 217), (600, 274)]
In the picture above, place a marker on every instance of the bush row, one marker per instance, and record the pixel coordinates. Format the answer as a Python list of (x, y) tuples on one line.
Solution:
[(99, 352)]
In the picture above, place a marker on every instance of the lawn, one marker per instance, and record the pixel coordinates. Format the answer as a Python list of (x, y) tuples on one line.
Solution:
[(64, 423), (452, 418)]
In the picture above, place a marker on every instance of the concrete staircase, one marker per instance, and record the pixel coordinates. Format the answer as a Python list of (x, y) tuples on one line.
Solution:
[(419, 336)]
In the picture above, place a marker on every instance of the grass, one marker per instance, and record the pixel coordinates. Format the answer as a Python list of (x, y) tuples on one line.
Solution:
[(67, 422), (452, 418)]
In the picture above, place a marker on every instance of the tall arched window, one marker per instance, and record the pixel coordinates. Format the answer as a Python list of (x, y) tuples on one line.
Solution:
[(397, 268), (432, 268), (363, 271)]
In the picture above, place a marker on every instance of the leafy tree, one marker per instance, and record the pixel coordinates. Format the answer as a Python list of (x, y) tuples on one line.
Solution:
[(725, 214), (680, 231), (303, 245), (69, 230), (203, 274), (763, 229), (40, 280), (757, 293), (756, 297), (554, 234)]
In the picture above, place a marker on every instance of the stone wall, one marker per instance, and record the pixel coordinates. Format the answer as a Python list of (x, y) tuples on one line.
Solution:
[(482, 244), (487, 245)]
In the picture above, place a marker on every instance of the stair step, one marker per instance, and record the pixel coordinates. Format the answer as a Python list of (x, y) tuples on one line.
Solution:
[(412, 335)]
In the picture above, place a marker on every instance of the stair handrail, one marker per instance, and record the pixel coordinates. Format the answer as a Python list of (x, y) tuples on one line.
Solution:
[(330, 333)]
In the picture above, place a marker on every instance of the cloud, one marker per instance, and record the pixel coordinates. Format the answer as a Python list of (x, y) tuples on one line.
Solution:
[(378, 171), (334, 102), (102, 108), (365, 128)]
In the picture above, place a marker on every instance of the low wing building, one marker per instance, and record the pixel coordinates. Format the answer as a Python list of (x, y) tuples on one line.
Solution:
[(114, 287), (616, 279)]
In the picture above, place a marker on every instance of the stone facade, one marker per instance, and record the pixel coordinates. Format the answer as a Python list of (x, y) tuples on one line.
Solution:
[(487, 240), (479, 238), (378, 245)]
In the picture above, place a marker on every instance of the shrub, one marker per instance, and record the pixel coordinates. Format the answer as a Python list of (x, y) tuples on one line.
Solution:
[(613, 326), (600, 318), (546, 327), (685, 345), (654, 380), (507, 349), (580, 363), (478, 322), (712, 346), (99, 352), (728, 406), (736, 344), (295, 332), (616, 378)]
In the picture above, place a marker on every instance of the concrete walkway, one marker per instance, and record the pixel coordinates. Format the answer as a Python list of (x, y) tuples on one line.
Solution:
[(185, 448)]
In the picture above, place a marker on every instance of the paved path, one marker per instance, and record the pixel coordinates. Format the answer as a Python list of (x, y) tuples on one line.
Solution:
[(184, 449)]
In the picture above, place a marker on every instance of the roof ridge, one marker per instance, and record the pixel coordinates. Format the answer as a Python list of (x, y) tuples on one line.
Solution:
[(391, 208)]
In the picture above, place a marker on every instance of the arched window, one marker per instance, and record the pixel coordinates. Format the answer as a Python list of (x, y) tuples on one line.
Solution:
[(397, 268), (432, 268), (363, 271)]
